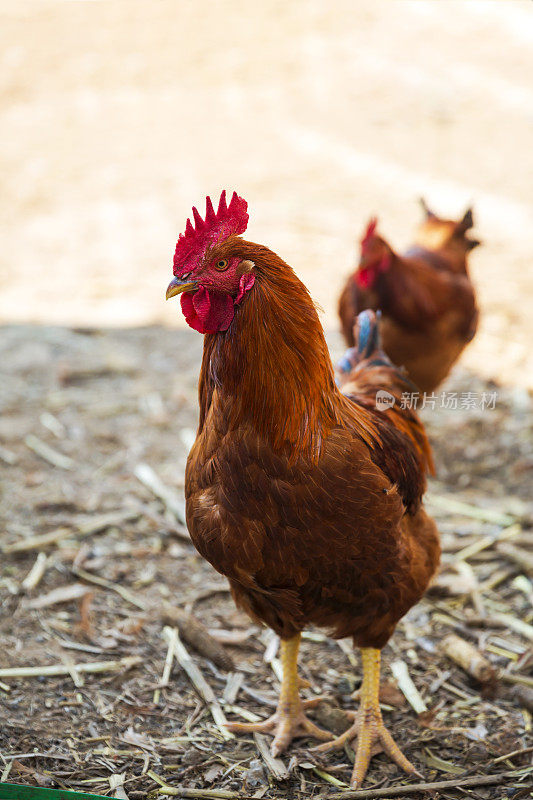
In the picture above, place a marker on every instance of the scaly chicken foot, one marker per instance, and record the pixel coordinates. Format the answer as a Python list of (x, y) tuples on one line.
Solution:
[(285, 725), (289, 720), (368, 727)]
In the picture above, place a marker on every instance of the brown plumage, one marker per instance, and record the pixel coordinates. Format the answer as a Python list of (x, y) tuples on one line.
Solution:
[(292, 488), (304, 496), (425, 295)]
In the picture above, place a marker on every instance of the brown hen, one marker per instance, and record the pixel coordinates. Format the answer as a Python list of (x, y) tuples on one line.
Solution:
[(425, 295)]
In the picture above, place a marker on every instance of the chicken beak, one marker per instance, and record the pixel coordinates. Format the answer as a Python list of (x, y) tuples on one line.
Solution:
[(177, 286)]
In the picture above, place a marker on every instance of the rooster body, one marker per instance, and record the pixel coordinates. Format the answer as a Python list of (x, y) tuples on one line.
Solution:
[(304, 496), (426, 297), (309, 524)]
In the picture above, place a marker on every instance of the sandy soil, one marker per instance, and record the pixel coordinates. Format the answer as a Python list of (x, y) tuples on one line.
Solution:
[(118, 116)]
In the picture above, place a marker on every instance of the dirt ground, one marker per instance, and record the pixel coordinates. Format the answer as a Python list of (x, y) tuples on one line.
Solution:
[(115, 118), (110, 401)]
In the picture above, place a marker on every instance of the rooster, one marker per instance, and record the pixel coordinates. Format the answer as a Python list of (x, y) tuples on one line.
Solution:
[(426, 296), (304, 496)]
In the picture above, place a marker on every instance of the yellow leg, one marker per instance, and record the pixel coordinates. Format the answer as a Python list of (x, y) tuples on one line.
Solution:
[(289, 719), (368, 727)]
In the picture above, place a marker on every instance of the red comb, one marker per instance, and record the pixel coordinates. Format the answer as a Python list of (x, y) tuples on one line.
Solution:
[(229, 220), (369, 233)]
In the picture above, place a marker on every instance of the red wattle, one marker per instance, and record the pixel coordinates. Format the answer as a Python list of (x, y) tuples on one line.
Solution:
[(364, 278), (367, 275), (206, 311)]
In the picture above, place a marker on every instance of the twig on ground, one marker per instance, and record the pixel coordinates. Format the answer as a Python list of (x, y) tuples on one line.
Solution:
[(77, 679), (233, 684), (114, 587), (271, 647), (168, 665), (329, 778), (275, 765), (34, 576), (487, 541), (63, 594), (468, 658), (398, 791), (512, 677), (525, 586), (249, 716), (7, 456), (516, 624), (146, 475), (234, 638), (407, 687), (110, 519), (208, 591), (512, 754), (7, 769), (81, 529), (181, 791), (347, 649), (116, 785), (517, 556), (48, 453), (39, 754), (36, 542), (60, 669), (84, 648), (197, 635), (500, 576), (174, 527), (259, 697), (451, 505), (53, 424), (198, 681)]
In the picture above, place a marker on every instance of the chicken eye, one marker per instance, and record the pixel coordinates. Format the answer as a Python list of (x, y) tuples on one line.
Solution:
[(222, 264)]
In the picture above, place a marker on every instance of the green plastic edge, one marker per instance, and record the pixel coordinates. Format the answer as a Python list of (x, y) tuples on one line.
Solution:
[(15, 791)]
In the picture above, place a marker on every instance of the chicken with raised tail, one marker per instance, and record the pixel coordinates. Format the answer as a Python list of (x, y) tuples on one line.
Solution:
[(425, 295), (305, 497)]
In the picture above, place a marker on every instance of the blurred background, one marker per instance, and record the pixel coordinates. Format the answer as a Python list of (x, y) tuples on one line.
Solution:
[(117, 116)]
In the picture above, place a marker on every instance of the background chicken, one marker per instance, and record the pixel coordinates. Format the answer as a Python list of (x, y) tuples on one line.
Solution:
[(425, 295), (306, 498)]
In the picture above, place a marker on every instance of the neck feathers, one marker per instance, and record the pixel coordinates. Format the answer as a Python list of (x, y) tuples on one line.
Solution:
[(406, 289), (271, 369)]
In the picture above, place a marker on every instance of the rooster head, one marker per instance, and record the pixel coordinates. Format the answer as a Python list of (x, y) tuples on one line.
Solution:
[(208, 272), (376, 257), (436, 232)]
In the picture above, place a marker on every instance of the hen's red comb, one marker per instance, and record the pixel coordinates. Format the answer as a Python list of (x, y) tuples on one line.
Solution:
[(229, 220), (369, 233)]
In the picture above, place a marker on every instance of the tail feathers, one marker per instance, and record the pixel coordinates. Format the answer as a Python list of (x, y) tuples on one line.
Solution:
[(366, 333), (348, 361), (367, 344), (365, 371)]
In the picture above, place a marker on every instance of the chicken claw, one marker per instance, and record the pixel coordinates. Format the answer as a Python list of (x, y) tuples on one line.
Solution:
[(289, 720), (287, 723), (368, 727)]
